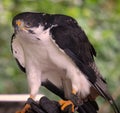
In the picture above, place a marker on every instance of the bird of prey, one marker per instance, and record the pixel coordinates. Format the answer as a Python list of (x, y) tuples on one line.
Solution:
[(52, 48)]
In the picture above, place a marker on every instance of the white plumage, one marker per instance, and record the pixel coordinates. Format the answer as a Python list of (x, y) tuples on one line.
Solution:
[(43, 60)]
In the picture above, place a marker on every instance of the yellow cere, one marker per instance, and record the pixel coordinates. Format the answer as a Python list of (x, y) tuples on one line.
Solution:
[(18, 22)]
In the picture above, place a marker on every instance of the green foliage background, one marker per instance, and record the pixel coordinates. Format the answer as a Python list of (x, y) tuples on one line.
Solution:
[(99, 18)]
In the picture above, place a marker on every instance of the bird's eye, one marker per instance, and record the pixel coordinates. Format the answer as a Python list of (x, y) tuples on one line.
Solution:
[(28, 25)]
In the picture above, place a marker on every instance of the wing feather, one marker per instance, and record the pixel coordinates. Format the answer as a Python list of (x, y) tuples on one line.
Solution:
[(72, 39)]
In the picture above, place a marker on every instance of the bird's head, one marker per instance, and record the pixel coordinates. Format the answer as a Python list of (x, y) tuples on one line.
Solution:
[(29, 22)]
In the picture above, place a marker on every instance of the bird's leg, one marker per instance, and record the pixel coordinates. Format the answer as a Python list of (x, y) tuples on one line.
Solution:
[(68, 91), (34, 83), (66, 103)]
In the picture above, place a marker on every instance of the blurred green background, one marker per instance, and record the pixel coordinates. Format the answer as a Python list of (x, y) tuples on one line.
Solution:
[(100, 19)]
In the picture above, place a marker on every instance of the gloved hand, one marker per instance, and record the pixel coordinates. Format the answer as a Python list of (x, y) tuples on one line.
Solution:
[(47, 106), (88, 107), (44, 106)]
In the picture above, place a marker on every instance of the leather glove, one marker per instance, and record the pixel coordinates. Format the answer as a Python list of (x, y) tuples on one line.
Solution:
[(47, 106)]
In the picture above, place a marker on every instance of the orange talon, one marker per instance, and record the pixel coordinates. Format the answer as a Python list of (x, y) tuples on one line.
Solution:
[(74, 92), (64, 104), (27, 106)]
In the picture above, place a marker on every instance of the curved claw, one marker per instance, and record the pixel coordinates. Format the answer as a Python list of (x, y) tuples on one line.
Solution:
[(26, 108), (64, 104), (74, 91)]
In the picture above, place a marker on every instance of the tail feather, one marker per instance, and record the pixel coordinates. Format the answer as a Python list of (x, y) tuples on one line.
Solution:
[(114, 106), (109, 98)]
